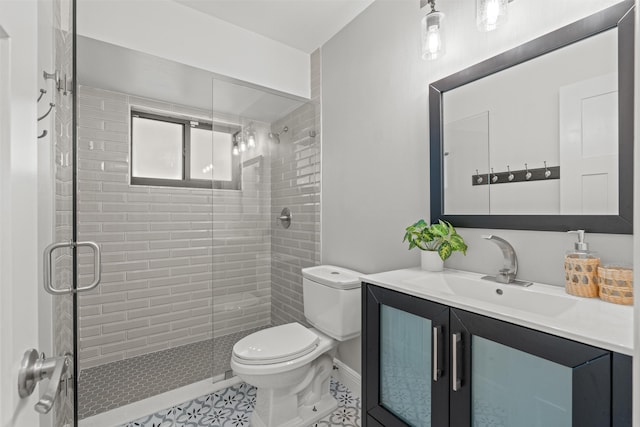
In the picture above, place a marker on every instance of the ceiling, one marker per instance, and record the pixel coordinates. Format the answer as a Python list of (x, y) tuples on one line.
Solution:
[(302, 24)]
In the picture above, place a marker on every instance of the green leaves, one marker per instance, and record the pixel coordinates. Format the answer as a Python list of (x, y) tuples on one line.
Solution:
[(457, 243), (441, 237), (445, 250)]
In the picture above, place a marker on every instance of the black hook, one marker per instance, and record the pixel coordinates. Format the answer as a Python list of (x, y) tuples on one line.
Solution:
[(51, 105)]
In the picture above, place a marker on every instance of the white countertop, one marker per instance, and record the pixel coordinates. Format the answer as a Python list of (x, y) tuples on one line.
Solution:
[(542, 307)]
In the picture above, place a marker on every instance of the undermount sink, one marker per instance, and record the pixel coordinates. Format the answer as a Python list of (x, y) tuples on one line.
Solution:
[(538, 299)]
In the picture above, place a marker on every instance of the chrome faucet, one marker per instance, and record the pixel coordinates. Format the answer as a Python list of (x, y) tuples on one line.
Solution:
[(507, 274)]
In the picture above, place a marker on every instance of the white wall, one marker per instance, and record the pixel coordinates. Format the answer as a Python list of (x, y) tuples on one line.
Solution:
[(173, 31), (18, 204), (375, 159)]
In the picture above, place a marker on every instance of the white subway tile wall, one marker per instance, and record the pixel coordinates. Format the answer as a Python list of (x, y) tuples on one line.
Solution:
[(295, 183), (179, 265)]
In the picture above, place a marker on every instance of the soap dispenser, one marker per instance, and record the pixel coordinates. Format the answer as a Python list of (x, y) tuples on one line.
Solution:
[(581, 269)]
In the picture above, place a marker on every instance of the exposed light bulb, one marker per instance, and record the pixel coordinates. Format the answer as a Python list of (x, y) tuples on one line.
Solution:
[(432, 35), (491, 13)]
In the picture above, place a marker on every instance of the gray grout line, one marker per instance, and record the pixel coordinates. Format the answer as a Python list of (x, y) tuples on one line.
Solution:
[(116, 384)]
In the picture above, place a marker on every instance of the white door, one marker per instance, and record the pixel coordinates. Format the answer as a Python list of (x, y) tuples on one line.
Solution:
[(19, 255), (589, 146)]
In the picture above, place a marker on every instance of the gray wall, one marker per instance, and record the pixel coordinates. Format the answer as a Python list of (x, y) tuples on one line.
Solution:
[(180, 265), (374, 153), (295, 184), (375, 145)]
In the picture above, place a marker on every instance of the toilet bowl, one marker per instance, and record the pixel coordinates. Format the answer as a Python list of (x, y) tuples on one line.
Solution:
[(292, 385), (291, 365)]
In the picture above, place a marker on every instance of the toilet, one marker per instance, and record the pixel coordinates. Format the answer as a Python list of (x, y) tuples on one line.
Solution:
[(291, 365)]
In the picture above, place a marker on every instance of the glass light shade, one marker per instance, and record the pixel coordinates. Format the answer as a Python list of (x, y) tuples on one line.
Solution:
[(491, 13), (243, 146), (235, 150), (432, 35), (251, 140)]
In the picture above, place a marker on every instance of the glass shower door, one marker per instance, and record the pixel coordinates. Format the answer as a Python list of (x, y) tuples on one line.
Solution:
[(62, 161)]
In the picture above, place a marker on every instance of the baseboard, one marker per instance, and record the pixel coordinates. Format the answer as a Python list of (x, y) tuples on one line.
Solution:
[(347, 376)]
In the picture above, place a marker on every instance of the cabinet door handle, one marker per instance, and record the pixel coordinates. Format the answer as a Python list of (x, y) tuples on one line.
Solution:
[(437, 371), (456, 377)]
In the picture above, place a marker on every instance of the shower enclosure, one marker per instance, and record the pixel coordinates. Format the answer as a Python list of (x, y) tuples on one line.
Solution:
[(181, 179)]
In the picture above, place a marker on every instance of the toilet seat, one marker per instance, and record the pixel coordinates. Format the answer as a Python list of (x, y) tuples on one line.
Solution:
[(275, 345)]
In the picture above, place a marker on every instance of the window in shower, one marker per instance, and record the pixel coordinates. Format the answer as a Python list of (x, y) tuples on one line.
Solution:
[(178, 152)]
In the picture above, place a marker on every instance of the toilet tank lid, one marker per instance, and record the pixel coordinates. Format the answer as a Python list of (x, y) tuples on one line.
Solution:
[(335, 277)]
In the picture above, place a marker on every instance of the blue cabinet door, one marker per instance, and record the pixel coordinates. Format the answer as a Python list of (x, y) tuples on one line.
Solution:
[(405, 353), (505, 375)]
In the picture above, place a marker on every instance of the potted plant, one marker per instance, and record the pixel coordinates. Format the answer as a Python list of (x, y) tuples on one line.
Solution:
[(437, 242)]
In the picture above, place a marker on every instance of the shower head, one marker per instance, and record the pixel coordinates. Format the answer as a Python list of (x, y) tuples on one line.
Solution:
[(276, 136)]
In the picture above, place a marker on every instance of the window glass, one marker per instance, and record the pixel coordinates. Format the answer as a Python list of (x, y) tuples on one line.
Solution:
[(157, 152), (211, 156), (202, 165), (179, 152)]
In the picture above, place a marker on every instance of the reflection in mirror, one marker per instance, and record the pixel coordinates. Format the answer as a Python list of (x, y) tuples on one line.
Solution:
[(559, 108), (540, 137)]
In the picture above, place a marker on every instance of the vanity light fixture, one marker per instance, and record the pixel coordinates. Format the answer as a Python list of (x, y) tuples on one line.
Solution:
[(237, 144), (250, 136), (491, 13), (431, 31)]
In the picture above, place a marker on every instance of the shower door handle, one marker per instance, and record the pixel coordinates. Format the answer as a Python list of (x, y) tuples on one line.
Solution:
[(48, 270)]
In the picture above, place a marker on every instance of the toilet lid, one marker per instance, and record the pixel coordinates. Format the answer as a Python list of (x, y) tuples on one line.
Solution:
[(276, 344)]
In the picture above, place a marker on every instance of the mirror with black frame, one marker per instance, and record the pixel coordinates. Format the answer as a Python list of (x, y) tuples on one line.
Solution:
[(540, 137)]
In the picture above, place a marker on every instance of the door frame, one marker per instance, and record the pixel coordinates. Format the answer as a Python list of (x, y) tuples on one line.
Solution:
[(18, 204)]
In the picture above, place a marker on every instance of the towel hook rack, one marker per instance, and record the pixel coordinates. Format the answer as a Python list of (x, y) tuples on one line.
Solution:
[(51, 105), (42, 92)]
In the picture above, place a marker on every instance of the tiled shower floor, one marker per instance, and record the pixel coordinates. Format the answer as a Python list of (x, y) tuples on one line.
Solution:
[(116, 384), (233, 406)]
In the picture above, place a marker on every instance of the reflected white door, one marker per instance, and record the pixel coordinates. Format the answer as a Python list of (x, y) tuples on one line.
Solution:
[(466, 149), (589, 146)]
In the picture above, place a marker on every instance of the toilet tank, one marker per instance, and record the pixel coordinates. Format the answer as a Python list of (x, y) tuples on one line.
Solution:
[(332, 300)]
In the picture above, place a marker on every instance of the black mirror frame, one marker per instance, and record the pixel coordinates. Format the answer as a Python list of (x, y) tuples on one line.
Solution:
[(620, 16)]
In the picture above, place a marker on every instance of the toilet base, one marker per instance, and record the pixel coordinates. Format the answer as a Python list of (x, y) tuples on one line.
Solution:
[(306, 414)]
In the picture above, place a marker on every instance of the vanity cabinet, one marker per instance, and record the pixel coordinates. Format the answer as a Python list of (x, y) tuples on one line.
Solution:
[(428, 364)]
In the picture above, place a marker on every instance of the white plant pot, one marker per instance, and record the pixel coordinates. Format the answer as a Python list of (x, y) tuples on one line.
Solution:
[(431, 261)]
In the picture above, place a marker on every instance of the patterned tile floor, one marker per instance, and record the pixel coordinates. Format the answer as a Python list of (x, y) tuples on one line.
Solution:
[(116, 384), (232, 407)]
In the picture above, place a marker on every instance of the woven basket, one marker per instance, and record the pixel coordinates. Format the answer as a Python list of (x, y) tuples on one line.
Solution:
[(581, 276), (616, 284)]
